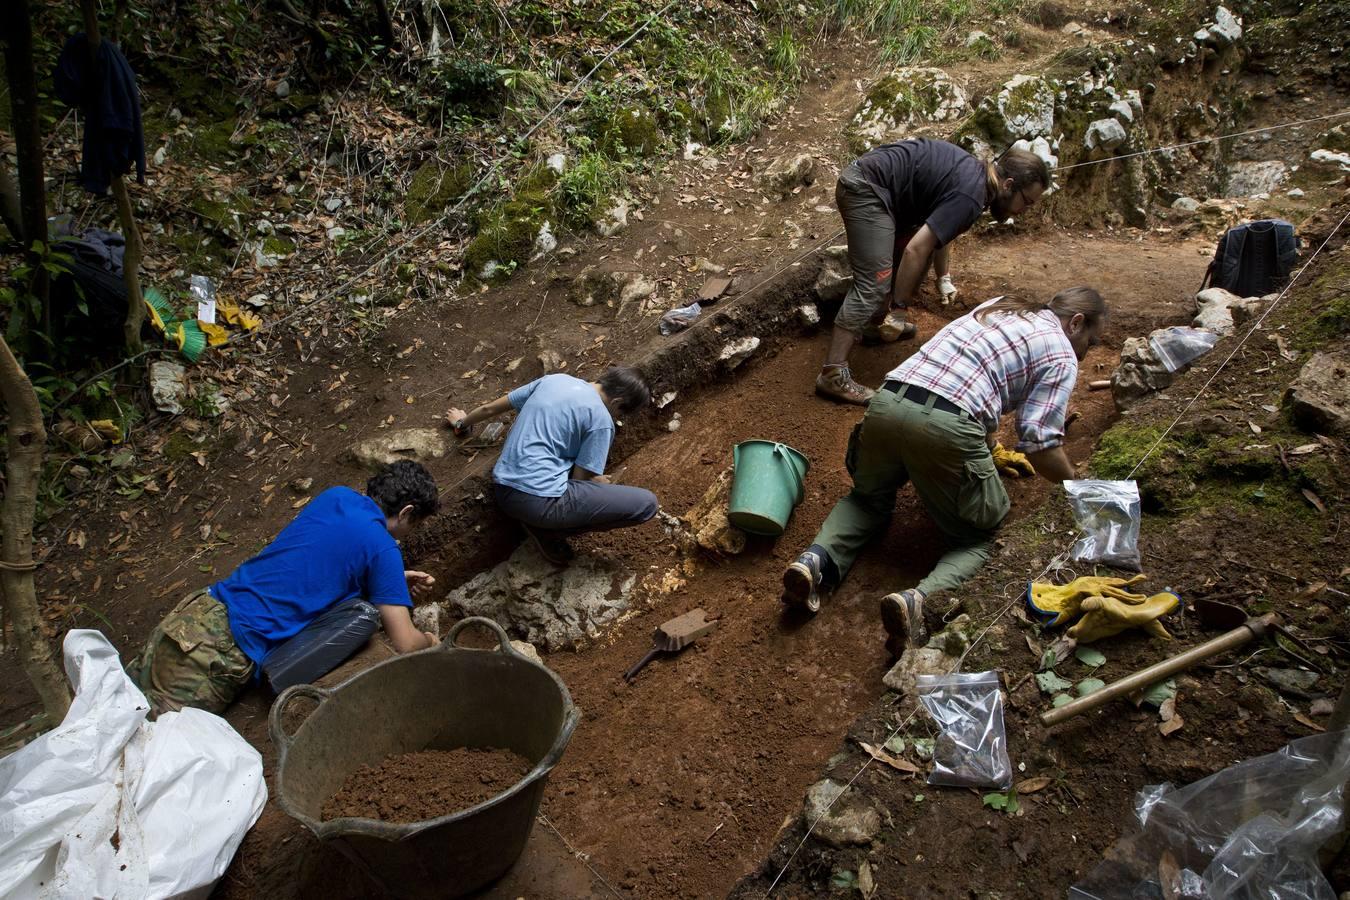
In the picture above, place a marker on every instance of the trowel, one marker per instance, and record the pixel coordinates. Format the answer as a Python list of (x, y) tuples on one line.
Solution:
[(673, 636), (1217, 614)]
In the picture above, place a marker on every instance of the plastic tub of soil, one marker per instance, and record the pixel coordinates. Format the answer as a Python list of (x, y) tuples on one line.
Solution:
[(427, 769)]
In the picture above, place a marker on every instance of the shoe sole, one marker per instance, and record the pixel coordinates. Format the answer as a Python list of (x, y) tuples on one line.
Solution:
[(797, 589), (900, 624)]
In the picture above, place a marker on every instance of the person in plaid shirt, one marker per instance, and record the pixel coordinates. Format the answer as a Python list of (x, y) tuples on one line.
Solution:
[(933, 423)]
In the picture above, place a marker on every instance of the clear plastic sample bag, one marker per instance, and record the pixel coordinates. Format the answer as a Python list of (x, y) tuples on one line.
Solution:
[(1179, 346), (972, 750), (1108, 513)]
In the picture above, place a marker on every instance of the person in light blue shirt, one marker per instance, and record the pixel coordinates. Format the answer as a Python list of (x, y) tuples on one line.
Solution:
[(550, 476)]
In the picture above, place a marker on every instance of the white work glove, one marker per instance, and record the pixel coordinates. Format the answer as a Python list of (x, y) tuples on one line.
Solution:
[(946, 289)]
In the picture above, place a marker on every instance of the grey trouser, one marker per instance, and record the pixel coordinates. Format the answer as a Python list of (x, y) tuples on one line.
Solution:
[(585, 506), (947, 458), (871, 249)]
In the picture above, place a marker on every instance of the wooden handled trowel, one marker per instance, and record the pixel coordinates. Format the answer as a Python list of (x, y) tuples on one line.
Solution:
[(674, 636)]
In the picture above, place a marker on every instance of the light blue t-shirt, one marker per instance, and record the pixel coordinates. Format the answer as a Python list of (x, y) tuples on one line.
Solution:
[(337, 548), (562, 422)]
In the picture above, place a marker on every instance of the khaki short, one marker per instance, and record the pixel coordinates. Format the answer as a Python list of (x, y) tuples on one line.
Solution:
[(191, 659)]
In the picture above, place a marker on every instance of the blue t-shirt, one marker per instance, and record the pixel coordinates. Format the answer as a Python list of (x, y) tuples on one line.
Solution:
[(562, 422), (338, 548)]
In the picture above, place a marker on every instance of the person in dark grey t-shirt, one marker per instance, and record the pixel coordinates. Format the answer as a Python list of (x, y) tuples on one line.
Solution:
[(917, 194)]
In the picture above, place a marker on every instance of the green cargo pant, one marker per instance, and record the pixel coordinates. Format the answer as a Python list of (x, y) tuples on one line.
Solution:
[(191, 659), (947, 458)]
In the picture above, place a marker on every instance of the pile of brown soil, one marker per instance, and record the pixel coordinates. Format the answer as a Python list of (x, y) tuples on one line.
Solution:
[(413, 787)]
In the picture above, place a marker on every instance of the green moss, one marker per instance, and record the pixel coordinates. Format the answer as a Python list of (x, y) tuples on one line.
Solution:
[(274, 245), (179, 447), (432, 188), (1330, 308), (631, 131), (211, 141), (506, 232)]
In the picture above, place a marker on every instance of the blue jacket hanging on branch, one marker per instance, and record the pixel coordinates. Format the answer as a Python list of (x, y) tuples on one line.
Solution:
[(111, 104)]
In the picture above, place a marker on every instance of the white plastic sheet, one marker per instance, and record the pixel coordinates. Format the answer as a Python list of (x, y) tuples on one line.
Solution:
[(110, 805)]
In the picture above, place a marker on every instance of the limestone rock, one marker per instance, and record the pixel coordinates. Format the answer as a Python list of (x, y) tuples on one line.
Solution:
[(706, 525), (835, 276), (1224, 31), (1042, 148), (842, 816), (594, 286), (1122, 110), (1140, 373), (613, 221), (556, 608), (526, 649), (551, 361), (916, 661), (1105, 134), (808, 315), (418, 444), (1024, 108), (1215, 309), (902, 102), (1247, 179), (788, 172), (1320, 396), (1186, 204), (738, 351), (545, 242)]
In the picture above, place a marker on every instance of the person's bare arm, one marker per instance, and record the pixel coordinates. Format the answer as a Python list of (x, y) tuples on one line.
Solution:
[(913, 263), (398, 624), (459, 420), (1052, 464)]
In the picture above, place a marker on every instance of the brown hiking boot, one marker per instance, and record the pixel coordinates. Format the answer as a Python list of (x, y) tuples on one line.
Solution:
[(837, 383), (902, 617), (894, 328)]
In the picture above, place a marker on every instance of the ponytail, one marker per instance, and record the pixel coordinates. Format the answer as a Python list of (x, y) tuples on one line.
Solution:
[(1065, 305)]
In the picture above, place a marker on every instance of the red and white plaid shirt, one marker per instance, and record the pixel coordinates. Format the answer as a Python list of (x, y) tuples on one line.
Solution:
[(1015, 361)]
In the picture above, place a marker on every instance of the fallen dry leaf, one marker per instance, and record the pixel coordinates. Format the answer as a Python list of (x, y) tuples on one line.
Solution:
[(1032, 785), (894, 762), (1315, 500), (1256, 429), (1168, 709), (1304, 720), (1171, 725)]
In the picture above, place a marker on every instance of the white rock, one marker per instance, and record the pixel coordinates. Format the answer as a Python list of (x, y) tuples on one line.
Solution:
[(691, 150), (283, 89), (333, 204), (1073, 28), (666, 399), (1331, 156), (1295, 192), (1248, 179), (975, 37), (673, 424), (1223, 32), (613, 221), (175, 115), (808, 315), (1023, 108), (557, 162), (1042, 148), (336, 232), (159, 156), (1122, 111), (544, 242), (1186, 204), (1105, 134), (1215, 309), (922, 95), (737, 352), (168, 386), (489, 269)]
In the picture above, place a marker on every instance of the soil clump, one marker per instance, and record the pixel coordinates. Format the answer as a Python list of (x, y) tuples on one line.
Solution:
[(426, 784)]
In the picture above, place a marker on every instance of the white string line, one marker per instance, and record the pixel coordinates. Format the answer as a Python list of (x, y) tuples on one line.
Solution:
[(585, 858), (1208, 140), (491, 171), (1058, 559)]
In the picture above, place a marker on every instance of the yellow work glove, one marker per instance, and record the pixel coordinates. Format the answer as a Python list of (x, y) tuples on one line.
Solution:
[(1105, 616), (1012, 464), (1057, 604)]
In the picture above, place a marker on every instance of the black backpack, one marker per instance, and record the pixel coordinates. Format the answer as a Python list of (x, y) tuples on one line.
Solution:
[(1253, 258)]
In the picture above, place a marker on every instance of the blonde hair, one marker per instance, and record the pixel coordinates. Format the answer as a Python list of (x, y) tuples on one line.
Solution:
[(1065, 304)]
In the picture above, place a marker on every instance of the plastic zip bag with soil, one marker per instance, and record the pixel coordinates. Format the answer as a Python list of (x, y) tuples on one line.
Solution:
[(972, 750)]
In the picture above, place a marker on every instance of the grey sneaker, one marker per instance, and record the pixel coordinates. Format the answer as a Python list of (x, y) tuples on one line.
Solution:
[(902, 616), (837, 383), (801, 583)]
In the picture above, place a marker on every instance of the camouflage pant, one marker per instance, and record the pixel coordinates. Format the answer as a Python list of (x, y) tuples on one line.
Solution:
[(191, 659)]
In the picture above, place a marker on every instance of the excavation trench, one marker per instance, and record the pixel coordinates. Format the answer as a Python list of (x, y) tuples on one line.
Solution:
[(677, 784)]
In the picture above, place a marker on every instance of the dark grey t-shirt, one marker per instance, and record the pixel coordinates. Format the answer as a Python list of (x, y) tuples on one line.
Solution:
[(925, 182)]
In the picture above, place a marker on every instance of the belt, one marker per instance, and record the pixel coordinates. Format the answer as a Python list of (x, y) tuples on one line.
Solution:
[(916, 394)]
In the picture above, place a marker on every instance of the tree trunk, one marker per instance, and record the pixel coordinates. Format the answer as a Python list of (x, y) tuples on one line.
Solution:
[(27, 440), (131, 258), (9, 205), (386, 25), (17, 26)]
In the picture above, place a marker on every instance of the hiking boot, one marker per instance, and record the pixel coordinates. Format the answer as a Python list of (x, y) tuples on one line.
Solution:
[(551, 547), (902, 616), (801, 583), (837, 383), (894, 328)]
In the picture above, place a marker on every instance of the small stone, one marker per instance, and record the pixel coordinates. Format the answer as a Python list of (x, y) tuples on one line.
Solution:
[(673, 425), (1186, 204), (175, 115), (514, 364), (1073, 29), (1295, 193), (544, 242), (283, 88), (706, 525), (302, 485), (336, 232), (332, 204), (427, 617), (1105, 134), (842, 816), (1289, 681), (1122, 110), (159, 156), (666, 399), (527, 650), (613, 221), (976, 37), (1322, 707), (737, 352), (257, 301), (808, 315), (916, 661), (1215, 309), (709, 267), (1252, 179), (557, 162)]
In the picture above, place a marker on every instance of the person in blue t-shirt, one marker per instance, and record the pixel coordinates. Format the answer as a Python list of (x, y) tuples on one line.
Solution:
[(550, 476), (341, 548)]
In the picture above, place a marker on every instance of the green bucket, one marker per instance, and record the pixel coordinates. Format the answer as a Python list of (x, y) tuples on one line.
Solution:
[(766, 485)]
